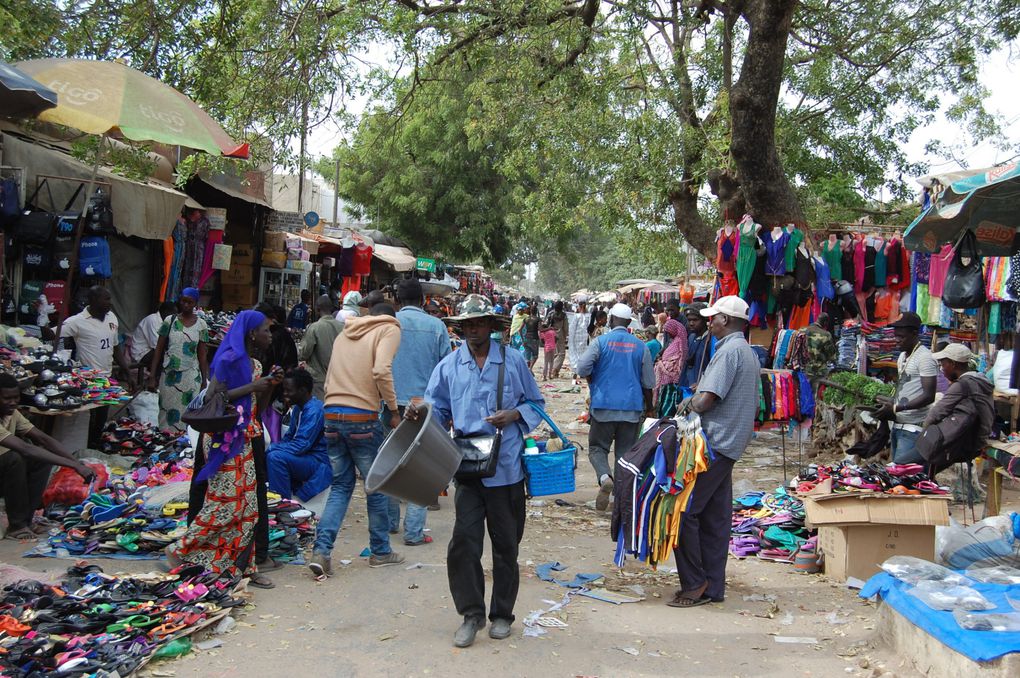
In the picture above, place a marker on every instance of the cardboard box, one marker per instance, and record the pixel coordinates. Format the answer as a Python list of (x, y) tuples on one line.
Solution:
[(299, 265), (243, 254), (859, 550), (311, 246), (238, 275), (884, 509), (235, 296), (274, 259), (276, 241), (859, 532)]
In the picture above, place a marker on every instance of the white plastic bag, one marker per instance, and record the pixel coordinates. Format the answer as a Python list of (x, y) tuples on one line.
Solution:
[(941, 596), (145, 408), (987, 543)]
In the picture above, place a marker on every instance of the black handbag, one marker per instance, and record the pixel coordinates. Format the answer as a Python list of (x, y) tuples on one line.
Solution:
[(965, 280), (481, 452), (35, 228), (211, 411)]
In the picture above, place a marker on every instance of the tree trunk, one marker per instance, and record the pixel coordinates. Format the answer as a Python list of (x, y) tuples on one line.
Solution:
[(689, 222), (753, 103)]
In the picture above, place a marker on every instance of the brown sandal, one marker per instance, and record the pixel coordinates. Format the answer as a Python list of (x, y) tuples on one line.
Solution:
[(680, 600), (22, 533)]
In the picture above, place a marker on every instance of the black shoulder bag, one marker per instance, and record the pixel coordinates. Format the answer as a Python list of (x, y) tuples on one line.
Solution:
[(211, 411), (481, 452)]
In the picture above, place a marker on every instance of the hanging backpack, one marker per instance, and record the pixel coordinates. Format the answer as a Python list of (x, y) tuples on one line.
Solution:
[(9, 206), (36, 257), (30, 291), (63, 249), (94, 257), (965, 280)]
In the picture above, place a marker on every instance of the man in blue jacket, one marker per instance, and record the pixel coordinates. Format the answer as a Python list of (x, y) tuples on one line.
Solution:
[(298, 463), (618, 367)]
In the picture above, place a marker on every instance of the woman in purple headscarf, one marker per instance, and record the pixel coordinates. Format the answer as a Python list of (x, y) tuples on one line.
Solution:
[(221, 536), (181, 353)]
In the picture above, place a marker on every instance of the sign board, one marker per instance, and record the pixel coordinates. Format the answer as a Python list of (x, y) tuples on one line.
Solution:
[(426, 264), (311, 219)]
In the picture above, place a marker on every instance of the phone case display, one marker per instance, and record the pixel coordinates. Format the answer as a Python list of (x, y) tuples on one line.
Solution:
[(282, 286)]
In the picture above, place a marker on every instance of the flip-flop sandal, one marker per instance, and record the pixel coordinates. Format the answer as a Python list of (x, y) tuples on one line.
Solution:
[(680, 600), (22, 533), (259, 582)]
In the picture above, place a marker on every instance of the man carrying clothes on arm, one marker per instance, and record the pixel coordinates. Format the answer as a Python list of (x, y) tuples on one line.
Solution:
[(462, 392), (727, 400), (619, 369)]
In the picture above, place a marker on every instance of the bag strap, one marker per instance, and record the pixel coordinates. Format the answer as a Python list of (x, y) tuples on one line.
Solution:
[(74, 197), (555, 429), (499, 379), (35, 194)]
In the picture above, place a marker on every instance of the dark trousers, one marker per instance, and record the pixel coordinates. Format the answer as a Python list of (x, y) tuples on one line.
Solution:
[(603, 435), (197, 490), (97, 420), (502, 510), (705, 531), (22, 482)]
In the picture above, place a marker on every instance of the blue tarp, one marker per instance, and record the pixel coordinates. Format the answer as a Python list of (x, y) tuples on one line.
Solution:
[(545, 570), (978, 645)]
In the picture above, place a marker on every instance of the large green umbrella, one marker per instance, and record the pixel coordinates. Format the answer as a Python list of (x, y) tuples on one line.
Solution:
[(986, 203), (100, 97)]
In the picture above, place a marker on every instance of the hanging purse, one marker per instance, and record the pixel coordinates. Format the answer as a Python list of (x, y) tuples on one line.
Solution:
[(211, 411), (481, 452), (965, 280)]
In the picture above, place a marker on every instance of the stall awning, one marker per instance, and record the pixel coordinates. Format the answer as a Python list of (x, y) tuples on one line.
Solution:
[(220, 183), (143, 209), (400, 258)]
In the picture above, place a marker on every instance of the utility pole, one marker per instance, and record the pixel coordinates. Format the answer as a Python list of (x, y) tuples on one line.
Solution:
[(301, 159)]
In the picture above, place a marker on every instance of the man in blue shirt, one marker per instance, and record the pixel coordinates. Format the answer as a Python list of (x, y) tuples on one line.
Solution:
[(462, 392), (298, 463), (699, 344), (618, 367), (298, 318), (423, 343)]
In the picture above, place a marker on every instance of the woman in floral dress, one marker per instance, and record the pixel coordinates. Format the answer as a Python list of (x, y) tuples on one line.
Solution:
[(181, 352), (221, 535)]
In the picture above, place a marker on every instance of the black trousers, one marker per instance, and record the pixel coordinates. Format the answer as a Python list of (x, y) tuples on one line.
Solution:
[(705, 531), (502, 510), (22, 482), (97, 420), (197, 490)]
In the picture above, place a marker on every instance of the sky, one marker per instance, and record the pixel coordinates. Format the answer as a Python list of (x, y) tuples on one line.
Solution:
[(999, 74)]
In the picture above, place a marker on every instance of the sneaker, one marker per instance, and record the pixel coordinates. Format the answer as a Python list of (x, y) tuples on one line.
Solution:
[(465, 635), (499, 629), (605, 490), (391, 558), (320, 565)]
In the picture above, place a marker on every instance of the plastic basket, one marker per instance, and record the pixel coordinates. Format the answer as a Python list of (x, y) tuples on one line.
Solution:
[(551, 472)]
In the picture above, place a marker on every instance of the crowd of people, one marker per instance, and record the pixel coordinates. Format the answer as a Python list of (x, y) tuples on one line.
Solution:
[(358, 371)]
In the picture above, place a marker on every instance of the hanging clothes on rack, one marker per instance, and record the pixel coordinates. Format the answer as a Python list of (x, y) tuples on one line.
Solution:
[(833, 256), (939, 269), (796, 238), (775, 252), (747, 254)]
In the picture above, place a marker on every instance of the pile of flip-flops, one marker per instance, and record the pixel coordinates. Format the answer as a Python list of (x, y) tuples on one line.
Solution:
[(768, 525), (130, 437), (218, 324), (908, 479), (94, 623), (291, 529), (114, 521)]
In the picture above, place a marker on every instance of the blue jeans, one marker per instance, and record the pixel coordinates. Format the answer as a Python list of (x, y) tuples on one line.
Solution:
[(904, 447), (414, 520), (350, 445)]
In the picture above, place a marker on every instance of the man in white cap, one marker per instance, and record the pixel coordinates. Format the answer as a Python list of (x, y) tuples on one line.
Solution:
[(957, 426), (727, 400), (618, 367)]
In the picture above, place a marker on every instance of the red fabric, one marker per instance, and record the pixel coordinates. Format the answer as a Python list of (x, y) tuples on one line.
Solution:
[(168, 262), (800, 317), (723, 264), (859, 247), (728, 285), (350, 283), (214, 238), (67, 488), (362, 260)]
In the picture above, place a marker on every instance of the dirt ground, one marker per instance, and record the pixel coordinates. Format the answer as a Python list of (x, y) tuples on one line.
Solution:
[(400, 620)]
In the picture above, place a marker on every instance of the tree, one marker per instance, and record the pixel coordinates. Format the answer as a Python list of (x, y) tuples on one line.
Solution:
[(822, 88)]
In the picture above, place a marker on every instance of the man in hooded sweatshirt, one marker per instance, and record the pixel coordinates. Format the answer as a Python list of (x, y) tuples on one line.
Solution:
[(359, 378)]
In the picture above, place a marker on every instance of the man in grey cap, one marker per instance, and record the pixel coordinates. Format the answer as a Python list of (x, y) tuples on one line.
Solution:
[(962, 418), (317, 345), (915, 390), (618, 367), (727, 401)]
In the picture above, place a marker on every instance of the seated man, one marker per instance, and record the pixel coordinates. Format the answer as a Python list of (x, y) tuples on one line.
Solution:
[(26, 457), (298, 463), (957, 425)]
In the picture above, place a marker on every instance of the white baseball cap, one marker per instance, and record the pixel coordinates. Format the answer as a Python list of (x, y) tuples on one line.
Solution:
[(732, 306), (621, 311), (958, 353)]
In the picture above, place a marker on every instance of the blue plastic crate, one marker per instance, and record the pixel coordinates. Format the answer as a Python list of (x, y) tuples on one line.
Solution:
[(551, 472)]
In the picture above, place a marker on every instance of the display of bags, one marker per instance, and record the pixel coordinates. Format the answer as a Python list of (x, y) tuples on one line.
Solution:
[(94, 257), (30, 291), (63, 249), (965, 283), (36, 257), (35, 228)]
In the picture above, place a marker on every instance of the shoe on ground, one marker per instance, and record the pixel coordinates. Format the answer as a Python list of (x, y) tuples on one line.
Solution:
[(268, 565), (320, 565), (434, 506), (424, 540), (499, 629), (465, 635), (391, 558), (605, 490)]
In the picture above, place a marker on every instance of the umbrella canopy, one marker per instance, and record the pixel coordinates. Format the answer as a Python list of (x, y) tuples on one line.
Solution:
[(98, 97), (21, 96), (987, 203)]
